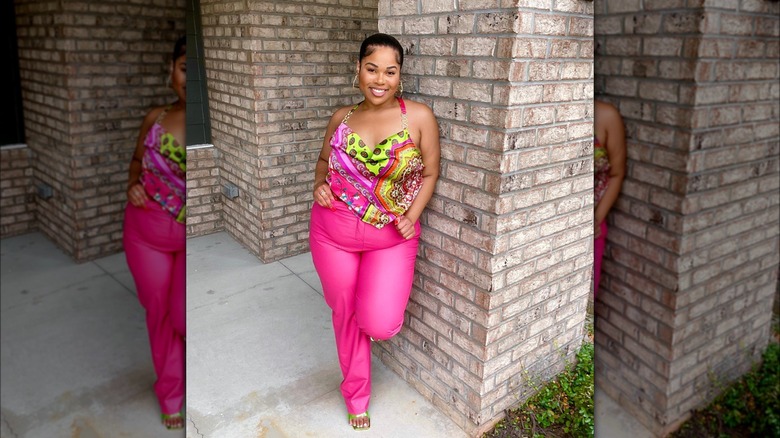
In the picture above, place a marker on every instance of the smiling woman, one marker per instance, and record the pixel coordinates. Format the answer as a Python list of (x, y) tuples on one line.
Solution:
[(378, 166)]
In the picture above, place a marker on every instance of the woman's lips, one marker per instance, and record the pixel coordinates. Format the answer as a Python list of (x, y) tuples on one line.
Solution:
[(378, 92)]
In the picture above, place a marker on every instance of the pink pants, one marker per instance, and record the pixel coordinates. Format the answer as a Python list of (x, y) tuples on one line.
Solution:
[(366, 276), (598, 254), (154, 245)]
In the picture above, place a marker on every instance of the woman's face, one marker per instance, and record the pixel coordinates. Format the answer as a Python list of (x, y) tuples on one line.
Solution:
[(179, 77), (379, 75)]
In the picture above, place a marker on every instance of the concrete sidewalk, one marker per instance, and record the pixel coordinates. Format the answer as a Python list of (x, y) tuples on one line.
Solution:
[(75, 358), (261, 358)]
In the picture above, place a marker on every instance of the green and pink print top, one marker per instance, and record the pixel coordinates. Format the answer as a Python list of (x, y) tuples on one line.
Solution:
[(378, 183), (164, 169), (601, 170)]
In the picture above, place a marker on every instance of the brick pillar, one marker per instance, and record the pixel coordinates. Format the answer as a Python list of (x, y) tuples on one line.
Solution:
[(89, 72), (692, 258), (275, 72), (503, 276)]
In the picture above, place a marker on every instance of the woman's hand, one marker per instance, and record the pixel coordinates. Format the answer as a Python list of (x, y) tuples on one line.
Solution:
[(323, 195), (137, 195), (405, 227), (597, 229)]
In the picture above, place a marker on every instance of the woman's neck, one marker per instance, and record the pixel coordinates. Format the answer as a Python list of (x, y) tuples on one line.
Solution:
[(179, 105), (368, 106)]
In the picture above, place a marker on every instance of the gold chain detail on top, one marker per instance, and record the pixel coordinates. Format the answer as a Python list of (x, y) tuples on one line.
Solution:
[(163, 113), (349, 113), (404, 119)]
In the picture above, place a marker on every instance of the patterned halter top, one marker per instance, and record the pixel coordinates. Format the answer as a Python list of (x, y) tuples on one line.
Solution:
[(164, 169), (601, 170), (378, 183)]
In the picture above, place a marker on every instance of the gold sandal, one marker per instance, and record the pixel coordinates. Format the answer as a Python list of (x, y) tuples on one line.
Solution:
[(173, 421), (355, 417)]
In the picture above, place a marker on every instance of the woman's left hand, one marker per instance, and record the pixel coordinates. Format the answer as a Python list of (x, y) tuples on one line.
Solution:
[(405, 227)]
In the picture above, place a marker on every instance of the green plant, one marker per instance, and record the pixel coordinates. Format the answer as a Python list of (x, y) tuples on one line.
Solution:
[(749, 407), (563, 407)]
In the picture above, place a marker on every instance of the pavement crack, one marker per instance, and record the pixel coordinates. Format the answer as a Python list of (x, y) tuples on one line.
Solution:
[(195, 426), (8, 426)]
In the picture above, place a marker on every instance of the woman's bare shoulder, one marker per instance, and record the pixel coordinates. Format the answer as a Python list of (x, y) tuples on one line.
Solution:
[(153, 113), (606, 109), (419, 110), (340, 113)]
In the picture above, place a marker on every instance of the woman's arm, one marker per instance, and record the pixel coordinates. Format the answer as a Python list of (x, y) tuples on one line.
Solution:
[(431, 154), (615, 143), (135, 191), (322, 193)]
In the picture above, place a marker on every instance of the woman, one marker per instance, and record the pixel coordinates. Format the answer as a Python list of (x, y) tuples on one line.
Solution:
[(376, 172), (610, 169), (154, 237)]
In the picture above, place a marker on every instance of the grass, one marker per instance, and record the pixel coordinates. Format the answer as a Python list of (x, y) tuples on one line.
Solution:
[(562, 408), (749, 407)]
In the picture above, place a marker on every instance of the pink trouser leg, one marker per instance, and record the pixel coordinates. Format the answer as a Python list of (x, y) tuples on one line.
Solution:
[(366, 277), (155, 250), (598, 254)]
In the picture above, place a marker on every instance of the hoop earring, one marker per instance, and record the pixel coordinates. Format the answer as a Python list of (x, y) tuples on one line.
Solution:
[(354, 80), (400, 91)]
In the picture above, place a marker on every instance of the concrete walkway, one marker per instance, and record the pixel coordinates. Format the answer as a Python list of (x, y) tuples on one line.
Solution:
[(261, 358), (75, 353), (612, 421)]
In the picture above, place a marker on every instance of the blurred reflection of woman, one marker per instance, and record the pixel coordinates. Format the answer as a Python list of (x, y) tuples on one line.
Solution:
[(610, 169), (154, 237)]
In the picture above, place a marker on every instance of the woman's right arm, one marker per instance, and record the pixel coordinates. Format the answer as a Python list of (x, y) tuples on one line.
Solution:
[(322, 194), (615, 144), (135, 190)]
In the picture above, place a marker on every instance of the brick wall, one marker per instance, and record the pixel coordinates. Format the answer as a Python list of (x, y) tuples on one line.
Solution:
[(89, 71), (500, 297), (17, 193), (204, 195), (502, 282), (275, 73), (691, 264)]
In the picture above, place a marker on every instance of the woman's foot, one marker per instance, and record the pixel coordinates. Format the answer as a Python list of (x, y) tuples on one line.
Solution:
[(360, 421), (173, 421)]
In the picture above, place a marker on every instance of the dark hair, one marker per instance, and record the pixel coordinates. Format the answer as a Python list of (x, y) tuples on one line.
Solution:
[(381, 40), (180, 49)]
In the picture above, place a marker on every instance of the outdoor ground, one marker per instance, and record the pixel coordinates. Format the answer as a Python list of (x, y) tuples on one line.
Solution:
[(749, 407), (562, 408)]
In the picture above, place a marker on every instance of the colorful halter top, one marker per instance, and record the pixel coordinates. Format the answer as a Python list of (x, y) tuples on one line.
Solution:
[(164, 168), (600, 170), (378, 183)]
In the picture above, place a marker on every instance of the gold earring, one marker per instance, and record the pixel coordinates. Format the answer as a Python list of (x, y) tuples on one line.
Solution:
[(400, 91), (354, 80)]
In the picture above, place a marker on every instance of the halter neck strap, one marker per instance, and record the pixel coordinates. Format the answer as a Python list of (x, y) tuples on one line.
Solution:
[(401, 103)]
